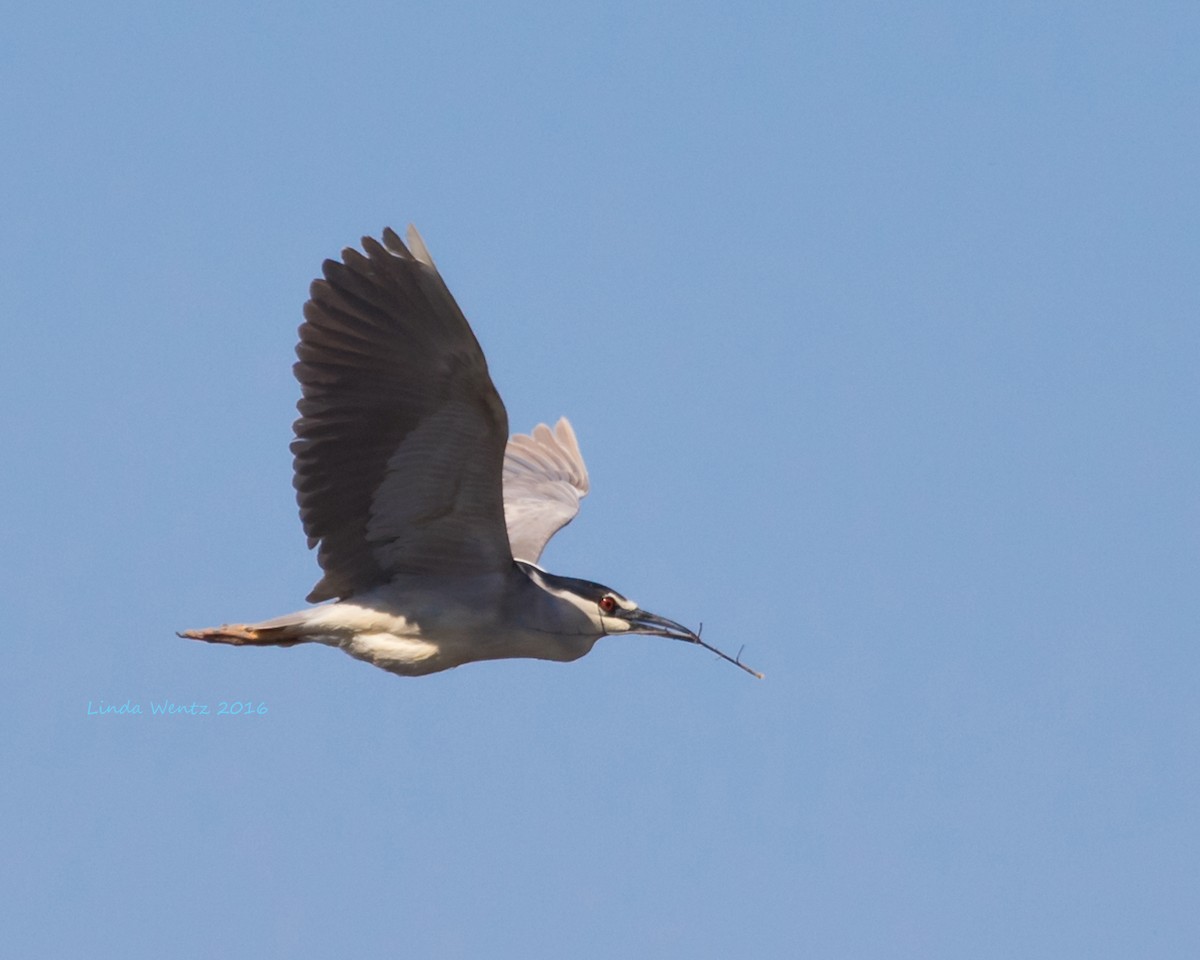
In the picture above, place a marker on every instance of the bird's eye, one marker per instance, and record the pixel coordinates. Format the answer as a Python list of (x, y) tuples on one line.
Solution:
[(608, 604)]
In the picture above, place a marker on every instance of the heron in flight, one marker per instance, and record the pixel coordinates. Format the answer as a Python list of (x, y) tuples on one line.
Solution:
[(428, 520)]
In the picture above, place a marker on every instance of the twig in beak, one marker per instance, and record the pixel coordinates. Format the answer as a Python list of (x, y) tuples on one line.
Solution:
[(736, 661)]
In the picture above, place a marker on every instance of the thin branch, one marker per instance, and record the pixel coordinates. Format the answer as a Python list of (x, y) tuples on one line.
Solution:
[(736, 661)]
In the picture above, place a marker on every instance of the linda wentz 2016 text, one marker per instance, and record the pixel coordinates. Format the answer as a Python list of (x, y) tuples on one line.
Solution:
[(225, 708)]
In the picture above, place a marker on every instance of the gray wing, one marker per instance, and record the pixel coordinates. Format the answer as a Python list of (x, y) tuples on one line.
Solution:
[(544, 480), (400, 442)]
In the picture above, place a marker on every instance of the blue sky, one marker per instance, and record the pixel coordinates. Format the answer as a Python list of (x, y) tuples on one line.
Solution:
[(878, 326)]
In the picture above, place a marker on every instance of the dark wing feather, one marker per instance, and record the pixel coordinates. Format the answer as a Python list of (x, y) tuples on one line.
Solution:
[(400, 442)]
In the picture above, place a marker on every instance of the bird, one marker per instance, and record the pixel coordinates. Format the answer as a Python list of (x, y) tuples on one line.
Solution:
[(427, 519)]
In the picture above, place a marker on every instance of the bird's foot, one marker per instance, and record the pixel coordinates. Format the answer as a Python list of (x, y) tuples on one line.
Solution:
[(235, 633)]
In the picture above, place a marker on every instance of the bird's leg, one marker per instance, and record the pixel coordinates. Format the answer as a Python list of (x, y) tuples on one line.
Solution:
[(235, 633), (253, 634)]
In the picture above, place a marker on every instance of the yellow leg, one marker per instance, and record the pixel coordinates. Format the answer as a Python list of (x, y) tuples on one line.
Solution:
[(235, 633)]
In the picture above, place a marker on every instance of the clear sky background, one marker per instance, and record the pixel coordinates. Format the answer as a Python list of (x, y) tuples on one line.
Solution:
[(878, 326)]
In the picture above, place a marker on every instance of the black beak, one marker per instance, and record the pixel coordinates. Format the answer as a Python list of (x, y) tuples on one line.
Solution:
[(641, 621)]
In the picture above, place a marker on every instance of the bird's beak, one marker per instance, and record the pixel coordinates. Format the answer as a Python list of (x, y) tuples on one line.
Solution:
[(641, 621)]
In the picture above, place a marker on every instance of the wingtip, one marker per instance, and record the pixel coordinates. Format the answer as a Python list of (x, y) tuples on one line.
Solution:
[(417, 246), (564, 431), (565, 434)]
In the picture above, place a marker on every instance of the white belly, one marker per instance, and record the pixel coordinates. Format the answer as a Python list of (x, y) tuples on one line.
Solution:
[(431, 635)]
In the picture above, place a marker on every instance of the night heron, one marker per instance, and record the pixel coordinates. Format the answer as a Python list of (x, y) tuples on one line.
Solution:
[(428, 521)]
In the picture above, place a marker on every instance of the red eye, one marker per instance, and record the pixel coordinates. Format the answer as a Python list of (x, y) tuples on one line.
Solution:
[(608, 604)]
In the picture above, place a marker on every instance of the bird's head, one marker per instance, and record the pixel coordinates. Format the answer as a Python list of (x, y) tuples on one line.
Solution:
[(607, 611), (600, 611)]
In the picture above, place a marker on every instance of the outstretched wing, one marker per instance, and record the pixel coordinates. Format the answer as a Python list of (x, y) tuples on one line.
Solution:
[(544, 480), (400, 442)]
